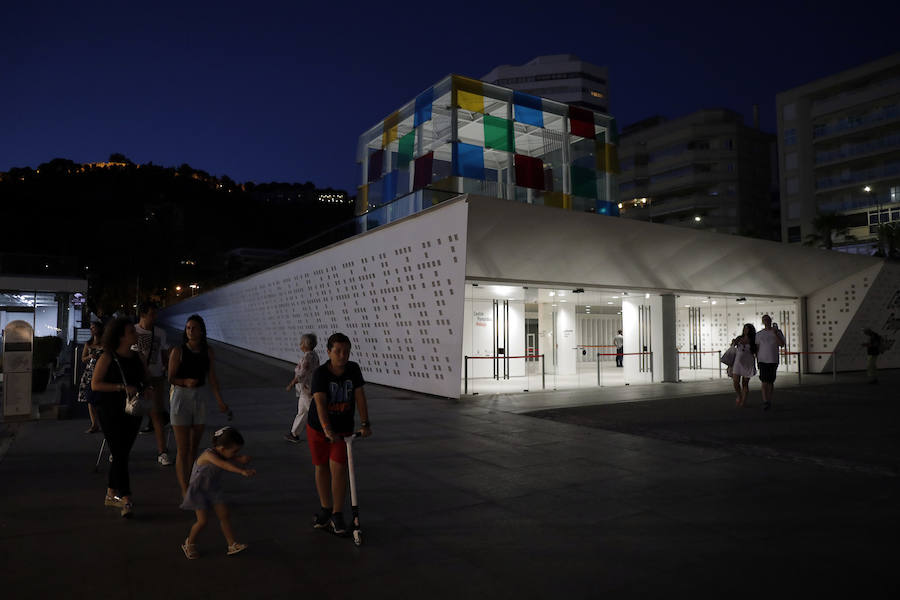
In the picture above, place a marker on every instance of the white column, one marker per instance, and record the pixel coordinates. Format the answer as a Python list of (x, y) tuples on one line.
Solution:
[(516, 337), (566, 338), (545, 335), (630, 333), (665, 354)]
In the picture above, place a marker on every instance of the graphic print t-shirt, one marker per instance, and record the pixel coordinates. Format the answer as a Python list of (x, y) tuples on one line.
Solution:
[(339, 393), (142, 347)]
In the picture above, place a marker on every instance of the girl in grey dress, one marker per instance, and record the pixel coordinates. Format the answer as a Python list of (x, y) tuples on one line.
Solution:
[(204, 491)]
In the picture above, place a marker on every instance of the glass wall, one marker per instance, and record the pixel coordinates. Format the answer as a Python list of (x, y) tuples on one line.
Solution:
[(706, 325), (466, 136), (40, 309)]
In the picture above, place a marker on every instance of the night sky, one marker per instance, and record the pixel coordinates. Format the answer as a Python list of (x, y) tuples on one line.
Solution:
[(280, 91)]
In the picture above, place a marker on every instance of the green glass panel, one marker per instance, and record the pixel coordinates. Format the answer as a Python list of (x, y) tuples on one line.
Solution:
[(584, 182), (498, 134), (405, 151)]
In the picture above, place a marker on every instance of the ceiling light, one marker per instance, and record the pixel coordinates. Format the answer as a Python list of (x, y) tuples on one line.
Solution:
[(646, 295), (552, 293), (609, 302)]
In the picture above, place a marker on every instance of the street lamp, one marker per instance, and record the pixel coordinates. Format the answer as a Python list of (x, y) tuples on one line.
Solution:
[(868, 190)]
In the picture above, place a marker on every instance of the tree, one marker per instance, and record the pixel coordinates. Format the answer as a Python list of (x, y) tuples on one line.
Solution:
[(888, 240), (826, 227), (118, 157)]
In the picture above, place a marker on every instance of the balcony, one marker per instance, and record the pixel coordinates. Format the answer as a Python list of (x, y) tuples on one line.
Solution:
[(873, 175), (863, 149), (842, 126)]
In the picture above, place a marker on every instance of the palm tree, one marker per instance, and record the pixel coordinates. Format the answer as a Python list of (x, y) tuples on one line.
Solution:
[(826, 226), (888, 240)]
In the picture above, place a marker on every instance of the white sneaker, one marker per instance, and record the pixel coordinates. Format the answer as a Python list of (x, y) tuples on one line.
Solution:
[(164, 459)]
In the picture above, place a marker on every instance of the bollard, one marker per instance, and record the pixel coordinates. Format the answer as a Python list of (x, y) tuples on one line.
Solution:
[(466, 375), (543, 377)]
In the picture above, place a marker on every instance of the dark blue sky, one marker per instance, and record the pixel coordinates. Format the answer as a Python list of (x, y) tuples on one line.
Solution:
[(279, 91)]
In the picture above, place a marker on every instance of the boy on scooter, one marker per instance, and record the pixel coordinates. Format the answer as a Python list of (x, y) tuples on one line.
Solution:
[(337, 389)]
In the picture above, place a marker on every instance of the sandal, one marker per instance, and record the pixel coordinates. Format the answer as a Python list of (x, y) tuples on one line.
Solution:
[(236, 547), (190, 550), (92, 429)]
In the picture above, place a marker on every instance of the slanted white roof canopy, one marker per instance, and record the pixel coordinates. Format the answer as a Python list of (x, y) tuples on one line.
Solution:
[(512, 242)]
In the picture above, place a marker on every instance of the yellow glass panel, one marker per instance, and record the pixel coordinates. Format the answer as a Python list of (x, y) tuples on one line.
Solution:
[(558, 199), (390, 129), (612, 159), (470, 101), (362, 199), (606, 157)]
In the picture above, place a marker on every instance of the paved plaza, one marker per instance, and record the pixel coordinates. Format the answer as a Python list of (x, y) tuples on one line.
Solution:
[(645, 491)]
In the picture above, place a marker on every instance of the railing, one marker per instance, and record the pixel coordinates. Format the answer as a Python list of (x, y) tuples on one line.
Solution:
[(383, 214), (700, 368), (886, 170), (584, 348), (888, 141), (883, 114), (623, 354), (502, 356), (800, 366), (785, 353)]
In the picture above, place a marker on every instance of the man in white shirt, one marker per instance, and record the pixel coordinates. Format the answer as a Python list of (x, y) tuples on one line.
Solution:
[(154, 349), (769, 340), (619, 341)]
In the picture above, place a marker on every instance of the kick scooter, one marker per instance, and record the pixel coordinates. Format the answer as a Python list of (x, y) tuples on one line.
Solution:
[(355, 529)]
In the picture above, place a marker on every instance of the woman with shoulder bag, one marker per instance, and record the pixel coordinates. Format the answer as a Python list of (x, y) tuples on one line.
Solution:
[(191, 366), (119, 375), (744, 366)]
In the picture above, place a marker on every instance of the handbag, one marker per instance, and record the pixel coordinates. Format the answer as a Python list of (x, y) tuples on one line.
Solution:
[(136, 405), (728, 356)]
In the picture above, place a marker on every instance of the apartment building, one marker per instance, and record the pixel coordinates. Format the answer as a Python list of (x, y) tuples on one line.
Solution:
[(706, 170), (561, 77), (839, 154)]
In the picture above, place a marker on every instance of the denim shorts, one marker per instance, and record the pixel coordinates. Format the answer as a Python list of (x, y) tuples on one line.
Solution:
[(187, 406)]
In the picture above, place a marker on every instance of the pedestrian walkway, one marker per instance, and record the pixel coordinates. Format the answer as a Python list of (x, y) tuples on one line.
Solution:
[(459, 499)]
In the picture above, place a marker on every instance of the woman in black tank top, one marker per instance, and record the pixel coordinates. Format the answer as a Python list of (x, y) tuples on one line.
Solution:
[(119, 373), (191, 367)]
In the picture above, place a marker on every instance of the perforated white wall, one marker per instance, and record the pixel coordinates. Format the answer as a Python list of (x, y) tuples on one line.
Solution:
[(397, 292), (838, 314)]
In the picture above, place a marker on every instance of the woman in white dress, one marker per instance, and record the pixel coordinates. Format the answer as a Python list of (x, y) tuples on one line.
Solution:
[(744, 366)]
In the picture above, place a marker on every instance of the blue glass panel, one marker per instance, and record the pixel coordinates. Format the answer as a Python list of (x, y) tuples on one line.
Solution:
[(468, 161), (389, 186), (528, 101), (528, 109), (423, 107)]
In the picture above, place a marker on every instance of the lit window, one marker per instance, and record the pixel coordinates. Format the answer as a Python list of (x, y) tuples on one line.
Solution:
[(596, 94)]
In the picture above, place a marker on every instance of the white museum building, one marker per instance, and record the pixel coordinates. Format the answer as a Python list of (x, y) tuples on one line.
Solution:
[(482, 294)]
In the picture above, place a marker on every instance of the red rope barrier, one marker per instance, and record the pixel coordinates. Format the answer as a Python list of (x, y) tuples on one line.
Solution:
[(525, 356)]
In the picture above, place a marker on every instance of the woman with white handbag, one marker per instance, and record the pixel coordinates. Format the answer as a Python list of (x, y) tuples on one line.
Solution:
[(744, 366), (119, 378)]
